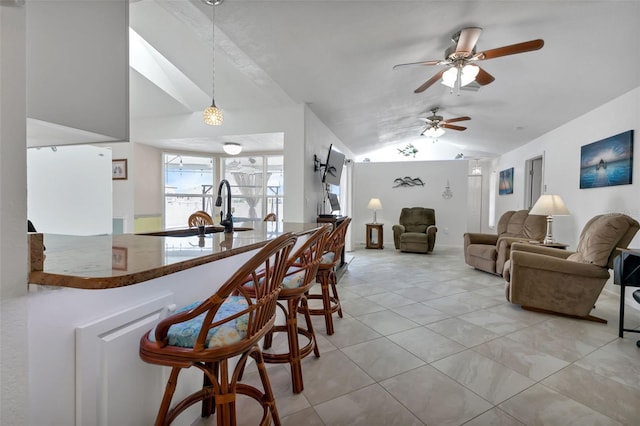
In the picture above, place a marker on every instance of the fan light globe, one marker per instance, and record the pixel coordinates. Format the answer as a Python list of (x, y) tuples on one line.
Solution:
[(434, 132), (469, 73), (213, 116)]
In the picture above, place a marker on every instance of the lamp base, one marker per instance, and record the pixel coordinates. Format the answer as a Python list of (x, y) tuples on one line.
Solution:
[(548, 239)]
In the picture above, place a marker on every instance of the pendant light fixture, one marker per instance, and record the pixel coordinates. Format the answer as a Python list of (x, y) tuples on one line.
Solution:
[(213, 115)]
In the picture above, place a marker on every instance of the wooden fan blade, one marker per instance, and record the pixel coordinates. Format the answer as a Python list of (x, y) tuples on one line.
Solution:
[(483, 78), (429, 82), (438, 62), (467, 40), (453, 120), (512, 49), (452, 127)]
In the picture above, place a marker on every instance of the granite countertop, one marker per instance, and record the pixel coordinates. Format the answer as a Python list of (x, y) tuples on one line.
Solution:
[(109, 261)]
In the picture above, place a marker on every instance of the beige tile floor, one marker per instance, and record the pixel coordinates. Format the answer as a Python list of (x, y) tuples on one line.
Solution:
[(426, 340)]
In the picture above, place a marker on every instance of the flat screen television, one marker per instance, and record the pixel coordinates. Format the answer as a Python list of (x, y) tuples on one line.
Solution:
[(333, 200), (333, 167)]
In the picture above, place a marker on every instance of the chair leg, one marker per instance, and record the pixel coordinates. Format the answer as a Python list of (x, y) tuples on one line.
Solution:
[(268, 338), (334, 289), (208, 404), (307, 316), (226, 398), (161, 418), (326, 304), (294, 347), (269, 399)]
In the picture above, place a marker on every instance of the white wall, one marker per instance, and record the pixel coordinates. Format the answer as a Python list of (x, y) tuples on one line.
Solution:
[(318, 139), (123, 189), (69, 190), (78, 65), (561, 151), (148, 180), (377, 180), (14, 353)]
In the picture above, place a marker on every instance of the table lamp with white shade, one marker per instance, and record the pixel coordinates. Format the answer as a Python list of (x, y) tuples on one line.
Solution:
[(374, 204), (549, 205)]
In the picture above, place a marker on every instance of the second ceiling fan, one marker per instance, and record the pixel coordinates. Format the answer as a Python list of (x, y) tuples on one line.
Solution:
[(460, 60), (436, 124)]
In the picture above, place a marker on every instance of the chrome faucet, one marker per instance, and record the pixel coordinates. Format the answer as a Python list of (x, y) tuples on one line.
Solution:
[(228, 220)]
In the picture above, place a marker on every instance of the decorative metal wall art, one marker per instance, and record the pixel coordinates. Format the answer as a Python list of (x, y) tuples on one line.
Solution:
[(408, 151), (407, 181)]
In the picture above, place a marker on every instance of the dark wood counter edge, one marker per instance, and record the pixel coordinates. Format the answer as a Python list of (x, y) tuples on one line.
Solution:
[(102, 283), (194, 231)]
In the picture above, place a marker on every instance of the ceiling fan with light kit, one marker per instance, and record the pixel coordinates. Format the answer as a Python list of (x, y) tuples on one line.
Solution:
[(436, 124), (460, 60)]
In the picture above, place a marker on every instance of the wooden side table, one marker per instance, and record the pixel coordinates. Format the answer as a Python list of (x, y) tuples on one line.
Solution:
[(374, 242)]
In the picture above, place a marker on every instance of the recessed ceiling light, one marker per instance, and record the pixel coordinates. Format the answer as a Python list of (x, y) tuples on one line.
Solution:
[(232, 148)]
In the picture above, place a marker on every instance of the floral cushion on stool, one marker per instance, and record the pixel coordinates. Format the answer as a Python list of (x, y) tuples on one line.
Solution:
[(291, 280), (327, 258), (185, 333), (294, 280)]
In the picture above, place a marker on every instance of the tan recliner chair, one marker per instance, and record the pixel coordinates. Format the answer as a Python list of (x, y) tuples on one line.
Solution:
[(416, 232), (489, 252), (565, 282)]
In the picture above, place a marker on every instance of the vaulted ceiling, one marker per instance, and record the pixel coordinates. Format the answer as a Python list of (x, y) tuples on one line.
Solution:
[(337, 56)]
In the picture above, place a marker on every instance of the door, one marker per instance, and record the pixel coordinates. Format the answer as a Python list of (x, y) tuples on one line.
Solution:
[(534, 181), (474, 203)]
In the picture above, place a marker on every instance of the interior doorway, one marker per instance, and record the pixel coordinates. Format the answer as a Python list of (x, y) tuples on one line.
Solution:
[(474, 203), (533, 183)]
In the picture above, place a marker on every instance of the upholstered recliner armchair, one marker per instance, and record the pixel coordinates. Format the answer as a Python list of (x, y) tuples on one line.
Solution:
[(416, 232), (565, 282), (489, 252)]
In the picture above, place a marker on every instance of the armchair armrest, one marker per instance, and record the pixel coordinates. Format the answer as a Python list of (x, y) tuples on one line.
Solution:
[(503, 250), (477, 238), (431, 237), (397, 231), (547, 251), (523, 259)]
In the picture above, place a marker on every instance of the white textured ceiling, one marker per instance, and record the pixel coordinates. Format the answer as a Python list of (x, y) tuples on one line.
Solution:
[(337, 56)]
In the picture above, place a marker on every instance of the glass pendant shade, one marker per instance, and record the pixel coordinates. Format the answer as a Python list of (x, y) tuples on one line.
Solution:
[(213, 115)]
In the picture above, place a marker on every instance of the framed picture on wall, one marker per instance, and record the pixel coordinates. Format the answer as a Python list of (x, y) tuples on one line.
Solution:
[(119, 169), (607, 162), (506, 182), (119, 258)]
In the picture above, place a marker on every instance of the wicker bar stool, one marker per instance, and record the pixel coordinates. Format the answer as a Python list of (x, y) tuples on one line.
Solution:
[(326, 276), (200, 218), (206, 335), (298, 280)]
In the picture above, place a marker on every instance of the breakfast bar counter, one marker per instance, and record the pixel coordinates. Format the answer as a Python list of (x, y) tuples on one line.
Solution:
[(110, 261), (90, 300)]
